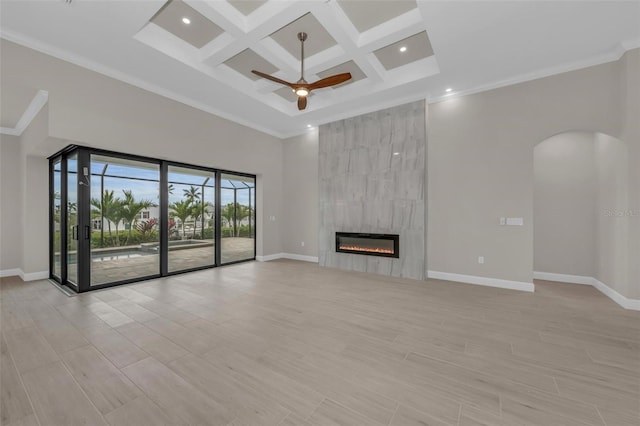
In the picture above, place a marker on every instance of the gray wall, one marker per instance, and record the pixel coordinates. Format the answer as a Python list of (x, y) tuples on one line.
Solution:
[(480, 163), (630, 81), (300, 192), (10, 203), (564, 205), (613, 222), (364, 187), (90, 109), (35, 186)]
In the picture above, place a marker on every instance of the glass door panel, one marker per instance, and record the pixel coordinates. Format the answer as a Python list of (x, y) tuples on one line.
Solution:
[(237, 214), (72, 225), (191, 212), (56, 206), (124, 219), (116, 219)]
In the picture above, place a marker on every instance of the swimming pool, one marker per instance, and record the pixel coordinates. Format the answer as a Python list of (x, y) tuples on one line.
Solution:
[(119, 255)]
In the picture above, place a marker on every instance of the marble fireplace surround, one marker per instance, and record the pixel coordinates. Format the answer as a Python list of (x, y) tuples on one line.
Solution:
[(372, 179)]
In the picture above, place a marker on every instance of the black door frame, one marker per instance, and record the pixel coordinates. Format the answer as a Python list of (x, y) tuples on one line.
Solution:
[(83, 252)]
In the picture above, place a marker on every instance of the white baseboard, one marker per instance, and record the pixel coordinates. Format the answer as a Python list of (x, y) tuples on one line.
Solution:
[(291, 256), (563, 278), (32, 276), (489, 282), (269, 257), (10, 272), (625, 302)]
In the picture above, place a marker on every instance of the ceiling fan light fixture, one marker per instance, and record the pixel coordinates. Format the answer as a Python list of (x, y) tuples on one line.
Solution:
[(302, 88)]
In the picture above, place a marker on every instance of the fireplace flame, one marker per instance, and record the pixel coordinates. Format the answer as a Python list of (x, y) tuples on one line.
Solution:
[(366, 249)]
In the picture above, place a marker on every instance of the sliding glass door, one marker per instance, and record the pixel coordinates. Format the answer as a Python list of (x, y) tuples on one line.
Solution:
[(116, 218), (125, 238), (237, 205), (71, 214), (191, 212), (56, 219)]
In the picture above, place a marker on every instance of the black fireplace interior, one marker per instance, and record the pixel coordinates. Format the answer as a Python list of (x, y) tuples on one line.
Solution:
[(385, 245)]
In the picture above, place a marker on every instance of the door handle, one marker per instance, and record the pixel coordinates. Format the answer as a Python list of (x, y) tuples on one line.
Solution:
[(74, 232), (87, 232)]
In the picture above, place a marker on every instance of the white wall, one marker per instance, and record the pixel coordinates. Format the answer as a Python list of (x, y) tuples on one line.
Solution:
[(631, 136), (300, 192), (613, 220), (480, 163), (90, 109), (35, 208), (10, 205), (564, 205)]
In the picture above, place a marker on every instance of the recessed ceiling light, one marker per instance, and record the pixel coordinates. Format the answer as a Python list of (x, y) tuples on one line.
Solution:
[(186, 20), (403, 49), (309, 126), (396, 153), (448, 90)]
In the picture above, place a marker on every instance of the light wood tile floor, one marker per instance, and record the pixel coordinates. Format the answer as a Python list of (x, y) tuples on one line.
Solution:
[(290, 343)]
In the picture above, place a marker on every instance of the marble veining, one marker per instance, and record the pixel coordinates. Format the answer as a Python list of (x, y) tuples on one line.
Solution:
[(372, 179)]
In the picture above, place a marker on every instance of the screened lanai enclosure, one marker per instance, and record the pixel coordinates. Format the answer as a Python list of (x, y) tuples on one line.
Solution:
[(117, 218)]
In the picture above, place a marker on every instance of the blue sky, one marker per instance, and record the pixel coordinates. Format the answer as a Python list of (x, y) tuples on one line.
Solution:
[(149, 189)]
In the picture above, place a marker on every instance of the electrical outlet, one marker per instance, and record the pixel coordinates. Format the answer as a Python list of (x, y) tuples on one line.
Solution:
[(481, 260), (302, 243)]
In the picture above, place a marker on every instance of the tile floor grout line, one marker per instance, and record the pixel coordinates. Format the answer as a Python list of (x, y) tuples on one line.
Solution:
[(83, 392), (26, 391), (601, 417), (394, 414)]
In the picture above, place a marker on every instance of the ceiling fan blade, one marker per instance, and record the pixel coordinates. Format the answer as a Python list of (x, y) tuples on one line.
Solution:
[(302, 102), (330, 81), (269, 77)]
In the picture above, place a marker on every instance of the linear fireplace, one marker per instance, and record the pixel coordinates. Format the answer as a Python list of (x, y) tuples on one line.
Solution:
[(386, 245)]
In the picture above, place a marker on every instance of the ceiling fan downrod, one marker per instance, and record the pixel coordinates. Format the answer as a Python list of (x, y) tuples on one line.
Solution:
[(302, 36)]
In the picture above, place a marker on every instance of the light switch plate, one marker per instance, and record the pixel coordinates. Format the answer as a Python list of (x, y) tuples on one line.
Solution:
[(515, 221)]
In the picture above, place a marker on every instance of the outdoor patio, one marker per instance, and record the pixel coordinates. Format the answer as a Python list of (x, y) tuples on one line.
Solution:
[(118, 269)]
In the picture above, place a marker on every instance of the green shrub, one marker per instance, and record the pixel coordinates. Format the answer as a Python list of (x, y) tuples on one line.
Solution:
[(136, 238)]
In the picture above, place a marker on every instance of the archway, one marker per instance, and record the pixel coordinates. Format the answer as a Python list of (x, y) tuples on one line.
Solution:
[(581, 189)]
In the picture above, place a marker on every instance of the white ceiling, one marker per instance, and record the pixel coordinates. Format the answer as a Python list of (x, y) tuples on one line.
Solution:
[(466, 45)]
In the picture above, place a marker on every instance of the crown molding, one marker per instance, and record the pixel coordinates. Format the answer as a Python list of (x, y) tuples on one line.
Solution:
[(613, 55), (91, 65), (39, 100)]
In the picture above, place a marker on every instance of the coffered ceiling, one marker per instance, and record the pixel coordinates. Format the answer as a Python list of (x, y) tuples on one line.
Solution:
[(201, 52)]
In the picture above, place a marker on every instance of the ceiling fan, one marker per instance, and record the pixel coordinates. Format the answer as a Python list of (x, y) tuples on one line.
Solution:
[(301, 87)]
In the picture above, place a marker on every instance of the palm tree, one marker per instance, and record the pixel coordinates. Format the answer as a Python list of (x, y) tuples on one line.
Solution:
[(117, 217), (193, 195), (242, 212), (109, 208), (199, 210), (228, 213), (132, 208), (182, 210)]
